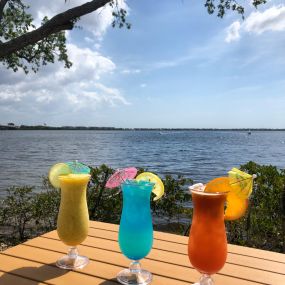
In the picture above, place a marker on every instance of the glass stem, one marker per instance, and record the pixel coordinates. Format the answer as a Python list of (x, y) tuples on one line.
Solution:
[(135, 267), (206, 280), (72, 253)]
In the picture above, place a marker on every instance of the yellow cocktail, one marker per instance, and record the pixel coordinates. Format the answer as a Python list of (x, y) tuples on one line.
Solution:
[(73, 217)]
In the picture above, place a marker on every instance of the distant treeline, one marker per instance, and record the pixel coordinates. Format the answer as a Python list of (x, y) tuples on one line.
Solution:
[(44, 127)]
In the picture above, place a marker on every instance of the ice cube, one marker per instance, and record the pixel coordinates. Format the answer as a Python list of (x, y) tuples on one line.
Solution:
[(197, 187)]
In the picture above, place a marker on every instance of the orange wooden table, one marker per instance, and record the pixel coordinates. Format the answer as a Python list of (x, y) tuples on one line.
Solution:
[(32, 262)]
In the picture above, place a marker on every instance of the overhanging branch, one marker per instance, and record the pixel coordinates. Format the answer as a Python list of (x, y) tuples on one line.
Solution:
[(60, 22)]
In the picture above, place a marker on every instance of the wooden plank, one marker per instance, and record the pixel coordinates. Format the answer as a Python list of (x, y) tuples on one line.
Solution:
[(229, 275), (93, 273), (247, 251), (157, 235), (182, 248), (45, 272), (10, 279), (166, 256), (263, 254)]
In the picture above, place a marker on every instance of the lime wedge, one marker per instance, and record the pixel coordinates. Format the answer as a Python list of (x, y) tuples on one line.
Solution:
[(158, 188), (57, 170)]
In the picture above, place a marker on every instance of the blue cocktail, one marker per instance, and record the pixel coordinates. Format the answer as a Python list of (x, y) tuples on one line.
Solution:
[(136, 231)]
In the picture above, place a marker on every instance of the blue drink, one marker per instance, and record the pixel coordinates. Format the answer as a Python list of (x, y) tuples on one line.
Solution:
[(136, 231)]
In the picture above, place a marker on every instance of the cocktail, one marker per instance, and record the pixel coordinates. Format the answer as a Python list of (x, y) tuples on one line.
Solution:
[(73, 217), (207, 246), (136, 231)]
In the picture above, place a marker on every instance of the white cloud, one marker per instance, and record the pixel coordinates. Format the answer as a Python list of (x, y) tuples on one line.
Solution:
[(88, 40), (56, 88), (131, 71), (233, 32), (97, 46), (272, 19), (143, 85), (87, 64)]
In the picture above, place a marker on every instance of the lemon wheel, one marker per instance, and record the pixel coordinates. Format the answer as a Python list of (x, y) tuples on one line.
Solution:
[(158, 189)]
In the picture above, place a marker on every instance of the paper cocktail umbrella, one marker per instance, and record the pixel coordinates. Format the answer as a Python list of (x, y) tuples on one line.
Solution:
[(78, 168), (121, 175), (241, 182)]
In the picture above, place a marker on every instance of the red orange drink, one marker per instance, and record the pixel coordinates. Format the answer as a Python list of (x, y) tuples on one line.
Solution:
[(223, 198), (207, 248)]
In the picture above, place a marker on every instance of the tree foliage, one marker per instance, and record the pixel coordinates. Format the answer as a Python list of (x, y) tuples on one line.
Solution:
[(23, 46)]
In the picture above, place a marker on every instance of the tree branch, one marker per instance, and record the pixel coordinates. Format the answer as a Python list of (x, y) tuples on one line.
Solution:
[(60, 22), (2, 5)]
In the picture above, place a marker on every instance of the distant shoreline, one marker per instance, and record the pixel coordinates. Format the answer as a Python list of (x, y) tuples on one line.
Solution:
[(82, 128)]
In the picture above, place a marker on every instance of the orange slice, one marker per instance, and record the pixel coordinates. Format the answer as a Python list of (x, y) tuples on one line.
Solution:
[(236, 206), (220, 184)]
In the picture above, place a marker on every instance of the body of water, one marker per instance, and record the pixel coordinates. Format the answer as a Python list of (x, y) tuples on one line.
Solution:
[(25, 156)]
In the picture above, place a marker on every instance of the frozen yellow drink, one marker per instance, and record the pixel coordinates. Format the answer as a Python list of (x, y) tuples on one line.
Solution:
[(73, 218)]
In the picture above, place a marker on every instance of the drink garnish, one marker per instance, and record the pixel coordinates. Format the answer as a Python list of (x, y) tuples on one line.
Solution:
[(241, 182), (158, 188), (64, 169), (120, 176), (238, 187), (78, 168)]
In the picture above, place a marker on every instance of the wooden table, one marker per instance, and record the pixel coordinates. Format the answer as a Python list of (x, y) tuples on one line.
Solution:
[(32, 262)]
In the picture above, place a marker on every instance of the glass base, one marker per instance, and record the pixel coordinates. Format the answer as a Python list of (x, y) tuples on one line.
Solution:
[(141, 278), (72, 260), (134, 275), (67, 263), (205, 280)]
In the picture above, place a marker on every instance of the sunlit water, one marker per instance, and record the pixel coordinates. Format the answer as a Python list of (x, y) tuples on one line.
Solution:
[(25, 156)]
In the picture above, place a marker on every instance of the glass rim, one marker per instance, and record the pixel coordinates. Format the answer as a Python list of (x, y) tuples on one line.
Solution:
[(135, 182), (208, 193), (74, 176)]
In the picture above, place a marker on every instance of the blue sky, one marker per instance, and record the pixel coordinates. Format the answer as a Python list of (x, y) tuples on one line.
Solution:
[(177, 67)]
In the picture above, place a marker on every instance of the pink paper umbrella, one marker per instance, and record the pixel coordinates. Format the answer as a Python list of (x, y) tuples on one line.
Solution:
[(120, 175)]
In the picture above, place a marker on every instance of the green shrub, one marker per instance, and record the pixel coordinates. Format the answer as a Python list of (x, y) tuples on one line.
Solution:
[(263, 225), (16, 211), (104, 204), (45, 207)]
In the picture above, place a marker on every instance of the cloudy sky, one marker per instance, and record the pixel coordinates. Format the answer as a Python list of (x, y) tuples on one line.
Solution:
[(176, 67)]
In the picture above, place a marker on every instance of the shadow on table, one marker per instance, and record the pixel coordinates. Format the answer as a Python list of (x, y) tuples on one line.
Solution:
[(107, 282), (36, 274)]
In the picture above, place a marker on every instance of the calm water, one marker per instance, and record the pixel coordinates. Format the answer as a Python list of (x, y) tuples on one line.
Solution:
[(25, 156)]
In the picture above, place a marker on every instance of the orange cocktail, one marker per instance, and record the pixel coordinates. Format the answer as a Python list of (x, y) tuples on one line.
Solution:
[(207, 248)]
